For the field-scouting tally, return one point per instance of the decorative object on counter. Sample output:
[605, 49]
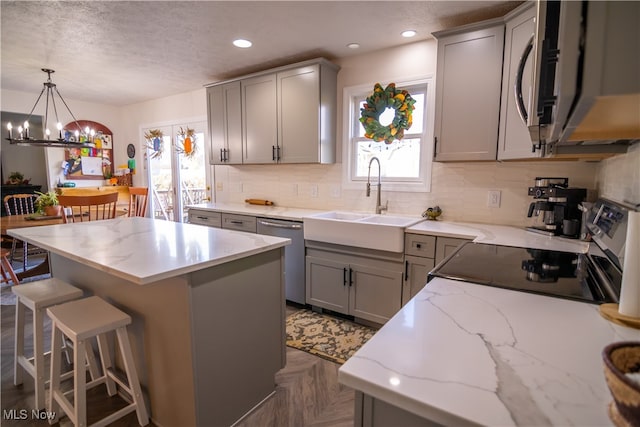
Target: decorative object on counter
[432, 213]
[23, 136]
[16, 178]
[259, 202]
[187, 142]
[326, 336]
[622, 373]
[47, 203]
[375, 115]
[155, 142]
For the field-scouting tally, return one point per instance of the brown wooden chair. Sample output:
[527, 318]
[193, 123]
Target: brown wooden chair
[138, 200]
[88, 208]
[8, 275]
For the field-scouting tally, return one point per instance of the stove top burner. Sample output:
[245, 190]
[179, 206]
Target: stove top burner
[553, 273]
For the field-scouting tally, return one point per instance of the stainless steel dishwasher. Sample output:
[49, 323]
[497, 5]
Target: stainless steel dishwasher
[294, 280]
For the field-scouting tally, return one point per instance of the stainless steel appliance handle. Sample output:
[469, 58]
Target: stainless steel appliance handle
[522, 109]
[279, 225]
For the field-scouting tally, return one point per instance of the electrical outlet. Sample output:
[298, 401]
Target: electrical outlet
[335, 191]
[493, 198]
[314, 190]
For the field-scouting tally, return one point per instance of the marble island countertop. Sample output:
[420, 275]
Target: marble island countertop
[144, 250]
[461, 353]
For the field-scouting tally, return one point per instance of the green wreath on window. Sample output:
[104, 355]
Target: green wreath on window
[381, 99]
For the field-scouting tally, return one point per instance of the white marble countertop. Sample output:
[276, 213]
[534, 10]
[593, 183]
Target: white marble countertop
[144, 250]
[461, 353]
[277, 212]
[499, 235]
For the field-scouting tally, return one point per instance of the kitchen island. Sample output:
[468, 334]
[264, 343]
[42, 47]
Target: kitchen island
[459, 353]
[207, 306]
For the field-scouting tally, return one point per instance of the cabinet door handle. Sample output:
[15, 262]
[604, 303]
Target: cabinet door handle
[222, 154]
[344, 276]
[350, 277]
[225, 152]
[273, 153]
[277, 152]
[406, 270]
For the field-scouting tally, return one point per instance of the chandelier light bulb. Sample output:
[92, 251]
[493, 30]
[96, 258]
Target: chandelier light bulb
[9, 127]
[26, 130]
[47, 132]
[59, 126]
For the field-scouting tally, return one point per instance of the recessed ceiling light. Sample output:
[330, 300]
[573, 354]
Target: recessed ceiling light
[242, 43]
[353, 45]
[408, 33]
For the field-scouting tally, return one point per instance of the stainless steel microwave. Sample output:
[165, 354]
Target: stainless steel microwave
[586, 83]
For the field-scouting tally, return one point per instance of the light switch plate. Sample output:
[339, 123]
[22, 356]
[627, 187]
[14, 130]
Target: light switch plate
[493, 198]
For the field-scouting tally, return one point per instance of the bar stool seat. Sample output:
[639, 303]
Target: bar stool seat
[38, 296]
[80, 321]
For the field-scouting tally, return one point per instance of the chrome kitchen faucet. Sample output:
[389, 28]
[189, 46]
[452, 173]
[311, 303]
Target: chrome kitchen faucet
[379, 207]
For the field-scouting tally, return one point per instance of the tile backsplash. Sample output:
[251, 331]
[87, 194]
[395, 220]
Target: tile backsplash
[460, 189]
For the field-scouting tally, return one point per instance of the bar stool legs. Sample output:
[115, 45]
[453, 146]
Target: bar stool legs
[81, 321]
[37, 297]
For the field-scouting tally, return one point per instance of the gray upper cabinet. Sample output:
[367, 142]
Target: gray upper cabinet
[514, 141]
[225, 125]
[283, 115]
[468, 81]
[259, 119]
[306, 133]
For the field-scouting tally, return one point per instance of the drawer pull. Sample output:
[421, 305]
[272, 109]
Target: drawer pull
[235, 221]
[419, 245]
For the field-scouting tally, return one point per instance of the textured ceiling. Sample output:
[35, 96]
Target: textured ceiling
[120, 53]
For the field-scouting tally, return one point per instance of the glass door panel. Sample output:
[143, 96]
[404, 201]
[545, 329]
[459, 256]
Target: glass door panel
[178, 172]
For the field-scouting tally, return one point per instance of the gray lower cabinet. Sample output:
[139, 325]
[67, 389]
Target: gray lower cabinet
[446, 245]
[372, 412]
[421, 254]
[204, 217]
[359, 282]
[223, 220]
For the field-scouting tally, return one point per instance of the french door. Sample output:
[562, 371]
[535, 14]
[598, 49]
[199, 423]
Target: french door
[179, 175]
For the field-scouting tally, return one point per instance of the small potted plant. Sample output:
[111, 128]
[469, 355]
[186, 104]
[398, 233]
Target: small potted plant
[47, 203]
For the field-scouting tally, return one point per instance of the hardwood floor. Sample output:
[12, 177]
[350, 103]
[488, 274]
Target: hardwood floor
[307, 391]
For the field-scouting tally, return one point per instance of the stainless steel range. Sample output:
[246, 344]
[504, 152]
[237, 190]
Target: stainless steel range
[593, 277]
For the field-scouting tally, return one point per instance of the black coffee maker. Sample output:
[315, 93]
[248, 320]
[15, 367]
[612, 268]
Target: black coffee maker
[556, 210]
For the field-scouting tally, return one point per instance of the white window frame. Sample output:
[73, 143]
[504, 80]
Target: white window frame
[422, 184]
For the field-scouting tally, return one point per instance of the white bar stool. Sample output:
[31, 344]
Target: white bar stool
[80, 321]
[37, 297]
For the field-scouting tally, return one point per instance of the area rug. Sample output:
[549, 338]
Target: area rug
[325, 336]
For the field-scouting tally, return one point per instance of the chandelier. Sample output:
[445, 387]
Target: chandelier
[78, 138]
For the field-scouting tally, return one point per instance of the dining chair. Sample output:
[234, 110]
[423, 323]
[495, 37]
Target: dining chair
[6, 270]
[21, 204]
[138, 200]
[88, 208]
